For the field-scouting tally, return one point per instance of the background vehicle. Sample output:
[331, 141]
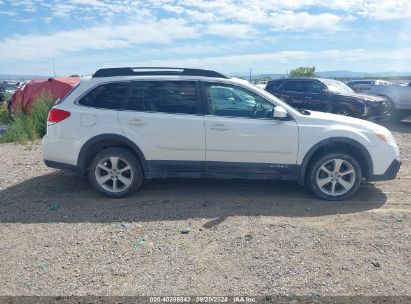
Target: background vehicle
[362, 86]
[25, 95]
[125, 125]
[328, 95]
[399, 98]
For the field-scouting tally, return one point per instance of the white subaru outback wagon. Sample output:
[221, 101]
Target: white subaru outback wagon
[125, 125]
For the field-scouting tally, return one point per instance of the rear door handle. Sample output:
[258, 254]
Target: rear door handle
[308, 97]
[218, 127]
[136, 122]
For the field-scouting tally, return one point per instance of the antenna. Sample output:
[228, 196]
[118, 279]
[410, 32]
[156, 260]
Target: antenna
[54, 70]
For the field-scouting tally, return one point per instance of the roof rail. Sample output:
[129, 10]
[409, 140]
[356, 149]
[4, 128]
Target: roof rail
[138, 71]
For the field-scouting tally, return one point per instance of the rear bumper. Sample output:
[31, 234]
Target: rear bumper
[66, 167]
[61, 150]
[389, 174]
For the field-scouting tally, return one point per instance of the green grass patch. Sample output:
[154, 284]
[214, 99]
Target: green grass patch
[25, 127]
[4, 115]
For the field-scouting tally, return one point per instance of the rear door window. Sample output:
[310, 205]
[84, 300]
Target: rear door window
[314, 87]
[135, 101]
[171, 97]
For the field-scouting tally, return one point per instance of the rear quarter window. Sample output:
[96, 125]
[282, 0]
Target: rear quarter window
[107, 96]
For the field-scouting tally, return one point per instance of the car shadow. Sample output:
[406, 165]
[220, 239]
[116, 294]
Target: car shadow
[400, 127]
[62, 198]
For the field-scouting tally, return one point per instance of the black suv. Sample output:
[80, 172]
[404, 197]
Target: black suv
[328, 95]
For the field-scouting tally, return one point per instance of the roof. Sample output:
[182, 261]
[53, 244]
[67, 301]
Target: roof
[156, 71]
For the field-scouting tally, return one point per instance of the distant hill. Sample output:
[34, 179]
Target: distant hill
[332, 74]
[351, 74]
[21, 77]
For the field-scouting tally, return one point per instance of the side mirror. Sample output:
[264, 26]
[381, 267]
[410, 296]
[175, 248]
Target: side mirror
[231, 99]
[279, 113]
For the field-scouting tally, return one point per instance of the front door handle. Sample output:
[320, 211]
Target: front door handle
[308, 97]
[218, 127]
[137, 122]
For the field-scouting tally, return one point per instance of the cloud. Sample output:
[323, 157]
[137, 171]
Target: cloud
[236, 30]
[173, 29]
[8, 13]
[303, 21]
[268, 61]
[95, 38]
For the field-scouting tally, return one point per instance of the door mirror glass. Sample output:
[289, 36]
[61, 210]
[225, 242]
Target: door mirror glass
[279, 113]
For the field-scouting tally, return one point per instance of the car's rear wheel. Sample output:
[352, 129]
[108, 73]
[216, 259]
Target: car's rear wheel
[334, 176]
[345, 111]
[115, 172]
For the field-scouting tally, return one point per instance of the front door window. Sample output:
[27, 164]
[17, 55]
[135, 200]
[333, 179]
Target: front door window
[233, 101]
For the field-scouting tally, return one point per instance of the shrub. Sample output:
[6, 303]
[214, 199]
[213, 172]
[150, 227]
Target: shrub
[4, 115]
[31, 125]
[303, 72]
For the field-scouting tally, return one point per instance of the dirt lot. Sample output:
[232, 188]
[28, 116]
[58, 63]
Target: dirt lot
[59, 237]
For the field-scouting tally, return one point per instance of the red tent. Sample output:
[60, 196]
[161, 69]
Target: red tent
[24, 97]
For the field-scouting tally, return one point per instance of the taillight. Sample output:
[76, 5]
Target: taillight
[57, 115]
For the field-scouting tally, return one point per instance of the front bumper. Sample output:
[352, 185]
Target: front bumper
[377, 111]
[389, 174]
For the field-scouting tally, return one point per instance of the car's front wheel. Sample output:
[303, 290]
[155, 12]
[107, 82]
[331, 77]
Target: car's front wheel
[335, 176]
[115, 172]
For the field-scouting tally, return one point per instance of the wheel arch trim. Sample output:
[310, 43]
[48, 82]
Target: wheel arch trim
[334, 140]
[115, 138]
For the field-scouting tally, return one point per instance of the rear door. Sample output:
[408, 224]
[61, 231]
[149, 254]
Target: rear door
[316, 96]
[164, 118]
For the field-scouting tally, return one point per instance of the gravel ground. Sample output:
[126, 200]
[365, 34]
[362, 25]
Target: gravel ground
[60, 237]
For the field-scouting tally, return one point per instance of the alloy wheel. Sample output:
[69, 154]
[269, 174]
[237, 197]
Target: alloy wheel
[114, 174]
[335, 177]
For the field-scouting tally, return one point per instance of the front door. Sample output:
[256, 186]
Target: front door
[316, 96]
[242, 136]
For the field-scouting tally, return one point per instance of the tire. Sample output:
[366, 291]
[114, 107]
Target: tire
[323, 181]
[345, 111]
[115, 172]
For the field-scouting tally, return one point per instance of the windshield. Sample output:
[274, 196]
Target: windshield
[336, 86]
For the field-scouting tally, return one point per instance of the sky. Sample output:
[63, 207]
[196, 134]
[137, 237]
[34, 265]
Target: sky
[268, 36]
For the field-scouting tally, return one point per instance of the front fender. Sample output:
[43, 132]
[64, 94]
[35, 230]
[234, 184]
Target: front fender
[346, 140]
